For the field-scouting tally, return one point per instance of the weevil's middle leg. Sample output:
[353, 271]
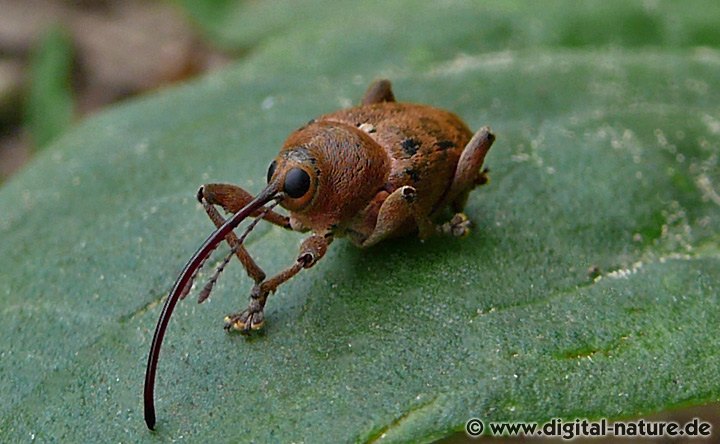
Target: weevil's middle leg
[399, 208]
[458, 226]
[396, 215]
[312, 250]
[232, 198]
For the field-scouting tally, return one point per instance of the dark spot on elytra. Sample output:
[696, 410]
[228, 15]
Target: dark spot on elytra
[445, 144]
[410, 146]
[414, 176]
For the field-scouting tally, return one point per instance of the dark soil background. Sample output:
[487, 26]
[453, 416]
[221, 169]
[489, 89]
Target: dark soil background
[114, 49]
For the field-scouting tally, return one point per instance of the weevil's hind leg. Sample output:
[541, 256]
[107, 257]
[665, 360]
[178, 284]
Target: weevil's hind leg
[468, 173]
[379, 91]
[232, 198]
[252, 318]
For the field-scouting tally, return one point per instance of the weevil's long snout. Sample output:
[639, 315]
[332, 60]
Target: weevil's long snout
[269, 193]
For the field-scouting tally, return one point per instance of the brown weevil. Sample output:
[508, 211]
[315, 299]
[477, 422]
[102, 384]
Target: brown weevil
[381, 169]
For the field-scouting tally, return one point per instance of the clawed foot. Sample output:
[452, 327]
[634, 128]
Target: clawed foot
[458, 226]
[252, 318]
[483, 177]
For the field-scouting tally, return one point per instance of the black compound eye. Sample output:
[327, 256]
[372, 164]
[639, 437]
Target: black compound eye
[271, 170]
[297, 183]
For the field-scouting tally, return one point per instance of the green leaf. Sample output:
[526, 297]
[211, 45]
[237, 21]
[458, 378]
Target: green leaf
[210, 16]
[50, 100]
[588, 287]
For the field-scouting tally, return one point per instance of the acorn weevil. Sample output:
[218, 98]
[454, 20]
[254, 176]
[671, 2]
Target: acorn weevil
[378, 170]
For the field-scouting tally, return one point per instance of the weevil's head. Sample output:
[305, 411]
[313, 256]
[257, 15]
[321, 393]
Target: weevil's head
[327, 172]
[296, 176]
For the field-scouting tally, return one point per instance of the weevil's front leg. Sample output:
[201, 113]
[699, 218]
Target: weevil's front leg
[232, 198]
[312, 250]
[379, 91]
